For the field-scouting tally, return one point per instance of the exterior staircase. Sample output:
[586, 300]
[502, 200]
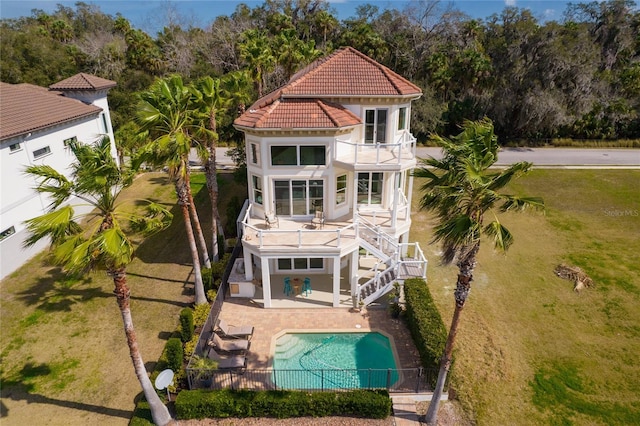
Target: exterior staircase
[383, 246]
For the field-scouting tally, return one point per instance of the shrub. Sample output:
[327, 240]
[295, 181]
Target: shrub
[200, 314]
[425, 323]
[190, 346]
[186, 324]
[174, 353]
[207, 279]
[198, 404]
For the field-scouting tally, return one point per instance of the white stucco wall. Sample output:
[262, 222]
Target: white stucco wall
[18, 200]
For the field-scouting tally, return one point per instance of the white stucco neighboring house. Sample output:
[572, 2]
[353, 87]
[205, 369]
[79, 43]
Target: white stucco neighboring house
[36, 125]
[329, 161]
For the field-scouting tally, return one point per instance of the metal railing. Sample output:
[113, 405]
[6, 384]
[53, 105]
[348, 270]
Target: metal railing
[359, 153]
[414, 380]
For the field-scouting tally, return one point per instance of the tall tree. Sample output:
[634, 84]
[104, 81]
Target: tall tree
[208, 97]
[99, 242]
[167, 116]
[256, 51]
[461, 190]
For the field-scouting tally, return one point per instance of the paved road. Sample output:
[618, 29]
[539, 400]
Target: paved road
[561, 157]
[540, 157]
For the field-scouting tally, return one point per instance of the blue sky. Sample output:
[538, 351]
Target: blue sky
[143, 13]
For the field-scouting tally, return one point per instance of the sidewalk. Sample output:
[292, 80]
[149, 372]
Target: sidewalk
[404, 408]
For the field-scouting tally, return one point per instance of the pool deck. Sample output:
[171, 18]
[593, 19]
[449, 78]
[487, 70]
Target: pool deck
[269, 322]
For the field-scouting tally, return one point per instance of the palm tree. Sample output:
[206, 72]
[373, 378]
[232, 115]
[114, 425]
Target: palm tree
[167, 114]
[208, 97]
[99, 242]
[461, 189]
[256, 51]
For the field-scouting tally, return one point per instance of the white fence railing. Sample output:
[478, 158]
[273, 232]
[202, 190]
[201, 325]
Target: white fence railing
[403, 149]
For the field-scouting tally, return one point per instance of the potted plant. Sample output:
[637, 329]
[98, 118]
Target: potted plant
[394, 302]
[203, 367]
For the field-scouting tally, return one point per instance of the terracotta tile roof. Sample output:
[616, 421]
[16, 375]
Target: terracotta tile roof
[25, 108]
[298, 113]
[83, 81]
[346, 73]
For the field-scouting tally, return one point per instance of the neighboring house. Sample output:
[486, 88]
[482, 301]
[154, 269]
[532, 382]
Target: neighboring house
[329, 161]
[36, 126]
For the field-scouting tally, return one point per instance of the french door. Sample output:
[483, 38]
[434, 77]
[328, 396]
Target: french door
[375, 125]
[296, 197]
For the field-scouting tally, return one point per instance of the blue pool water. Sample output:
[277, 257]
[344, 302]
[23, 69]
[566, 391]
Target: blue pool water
[334, 361]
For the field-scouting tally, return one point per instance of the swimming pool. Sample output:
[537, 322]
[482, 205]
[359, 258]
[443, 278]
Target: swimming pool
[334, 361]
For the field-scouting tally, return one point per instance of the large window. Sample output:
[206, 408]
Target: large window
[375, 125]
[254, 154]
[341, 189]
[298, 155]
[298, 197]
[370, 188]
[402, 118]
[300, 263]
[257, 189]
[41, 152]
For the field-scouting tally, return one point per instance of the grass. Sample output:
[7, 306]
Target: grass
[530, 350]
[64, 355]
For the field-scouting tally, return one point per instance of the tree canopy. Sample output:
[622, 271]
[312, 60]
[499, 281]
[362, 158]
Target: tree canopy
[578, 76]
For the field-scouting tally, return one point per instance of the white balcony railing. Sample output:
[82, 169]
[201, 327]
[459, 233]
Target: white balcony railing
[403, 149]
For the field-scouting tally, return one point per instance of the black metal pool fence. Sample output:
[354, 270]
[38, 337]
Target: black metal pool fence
[408, 380]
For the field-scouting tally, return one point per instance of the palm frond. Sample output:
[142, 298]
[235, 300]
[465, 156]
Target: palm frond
[55, 225]
[513, 202]
[502, 238]
[74, 254]
[502, 179]
[114, 247]
[52, 183]
[156, 219]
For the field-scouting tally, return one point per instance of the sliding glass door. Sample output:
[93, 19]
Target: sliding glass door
[298, 197]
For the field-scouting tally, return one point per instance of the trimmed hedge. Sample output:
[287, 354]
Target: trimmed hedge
[174, 353]
[186, 324]
[200, 404]
[425, 323]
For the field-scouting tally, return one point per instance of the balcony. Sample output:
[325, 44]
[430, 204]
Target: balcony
[400, 155]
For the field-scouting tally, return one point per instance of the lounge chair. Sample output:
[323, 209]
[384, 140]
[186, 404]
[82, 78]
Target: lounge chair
[228, 346]
[226, 330]
[318, 219]
[271, 220]
[233, 362]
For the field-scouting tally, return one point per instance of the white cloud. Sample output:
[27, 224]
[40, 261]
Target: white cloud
[509, 2]
[549, 13]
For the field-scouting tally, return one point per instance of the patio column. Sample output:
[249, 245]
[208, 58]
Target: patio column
[353, 272]
[336, 282]
[266, 282]
[396, 188]
[248, 265]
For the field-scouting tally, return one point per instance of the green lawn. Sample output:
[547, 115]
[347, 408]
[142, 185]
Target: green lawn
[530, 350]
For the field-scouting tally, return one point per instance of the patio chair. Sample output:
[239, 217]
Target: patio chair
[229, 346]
[287, 286]
[318, 219]
[271, 220]
[233, 362]
[306, 287]
[234, 332]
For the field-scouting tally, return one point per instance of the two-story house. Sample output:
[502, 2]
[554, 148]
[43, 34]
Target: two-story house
[329, 161]
[36, 126]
